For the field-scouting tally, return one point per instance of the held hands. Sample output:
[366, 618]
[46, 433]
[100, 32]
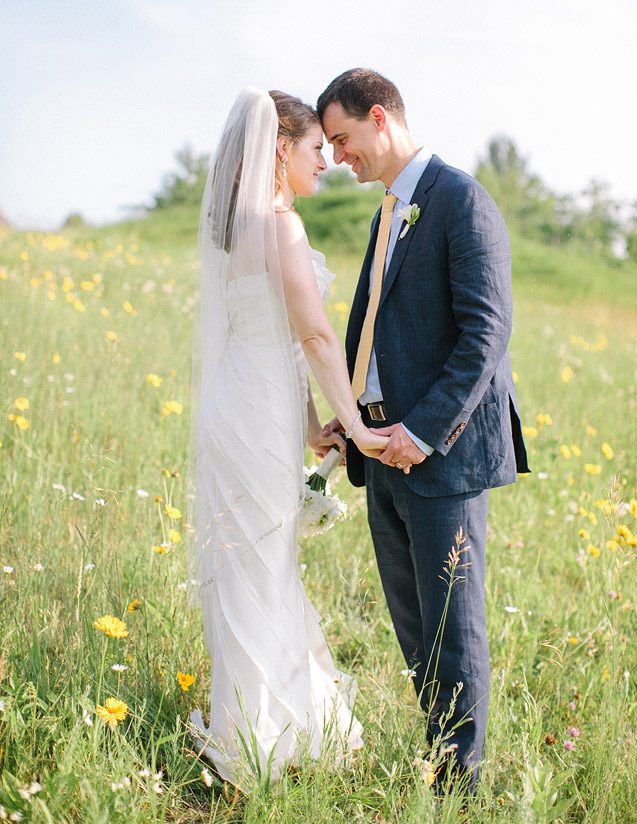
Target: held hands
[401, 451]
[368, 441]
[321, 440]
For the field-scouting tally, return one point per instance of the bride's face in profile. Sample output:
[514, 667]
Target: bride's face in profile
[305, 162]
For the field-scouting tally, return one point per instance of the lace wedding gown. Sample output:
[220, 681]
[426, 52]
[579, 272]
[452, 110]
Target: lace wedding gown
[275, 690]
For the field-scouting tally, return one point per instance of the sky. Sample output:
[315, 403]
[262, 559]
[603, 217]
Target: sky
[96, 96]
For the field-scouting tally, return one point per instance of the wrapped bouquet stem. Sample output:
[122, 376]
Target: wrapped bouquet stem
[321, 509]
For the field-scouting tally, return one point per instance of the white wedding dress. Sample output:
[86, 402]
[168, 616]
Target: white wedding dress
[276, 693]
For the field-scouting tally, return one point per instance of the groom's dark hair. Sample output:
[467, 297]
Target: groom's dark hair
[357, 90]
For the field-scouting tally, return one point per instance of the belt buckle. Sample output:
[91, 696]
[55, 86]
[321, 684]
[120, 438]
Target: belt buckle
[376, 411]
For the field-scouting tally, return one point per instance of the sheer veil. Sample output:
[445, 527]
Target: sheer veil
[246, 439]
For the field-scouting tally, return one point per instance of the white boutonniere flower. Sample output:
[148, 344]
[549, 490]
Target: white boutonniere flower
[410, 214]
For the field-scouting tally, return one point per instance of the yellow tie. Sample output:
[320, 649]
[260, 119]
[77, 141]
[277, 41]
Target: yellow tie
[367, 334]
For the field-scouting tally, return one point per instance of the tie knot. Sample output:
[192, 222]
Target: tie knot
[389, 202]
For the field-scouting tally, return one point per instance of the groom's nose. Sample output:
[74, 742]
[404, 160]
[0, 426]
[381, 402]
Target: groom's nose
[339, 154]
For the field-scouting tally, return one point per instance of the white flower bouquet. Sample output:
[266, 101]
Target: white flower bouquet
[321, 509]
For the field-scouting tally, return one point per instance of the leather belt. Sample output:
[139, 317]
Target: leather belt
[376, 411]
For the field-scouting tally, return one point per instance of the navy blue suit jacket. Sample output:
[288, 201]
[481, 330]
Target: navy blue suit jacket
[441, 336]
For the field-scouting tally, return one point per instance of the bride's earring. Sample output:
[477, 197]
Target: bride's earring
[284, 171]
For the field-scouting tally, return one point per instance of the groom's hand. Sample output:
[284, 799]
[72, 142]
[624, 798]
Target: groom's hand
[400, 449]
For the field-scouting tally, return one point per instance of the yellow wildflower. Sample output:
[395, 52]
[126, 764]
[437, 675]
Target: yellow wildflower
[104, 312]
[612, 545]
[573, 640]
[56, 357]
[590, 430]
[67, 284]
[529, 431]
[592, 469]
[154, 380]
[173, 513]
[632, 507]
[114, 711]
[570, 480]
[608, 451]
[342, 307]
[516, 377]
[87, 285]
[584, 534]
[605, 673]
[567, 374]
[160, 549]
[185, 680]
[172, 406]
[593, 550]
[134, 605]
[174, 536]
[111, 626]
[21, 422]
[165, 472]
[111, 336]
[565, 452]
[21, 403]
[592, 517]
[21, 356]
[576, 450]
[24, 256]
[544, 419]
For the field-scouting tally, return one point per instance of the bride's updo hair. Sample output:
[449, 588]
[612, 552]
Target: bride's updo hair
[295, 118]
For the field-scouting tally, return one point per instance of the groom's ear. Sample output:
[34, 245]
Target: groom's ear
[379, 116]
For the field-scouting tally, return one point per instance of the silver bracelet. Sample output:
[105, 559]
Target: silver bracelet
[352, 426]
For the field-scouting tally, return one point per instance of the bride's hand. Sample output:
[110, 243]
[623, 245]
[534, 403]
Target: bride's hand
[368, 442]
[320, 443]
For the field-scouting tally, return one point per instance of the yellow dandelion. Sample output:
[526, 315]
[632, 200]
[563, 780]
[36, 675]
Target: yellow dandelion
[612, 545]
[565, 452]
[134, 605]
[21, 403]
[172, 406]
[570, 480]
[590, 430]
[160, 549]
[165, 472]
[24, 256]
[67, 284]
[529, 431]
[111, 336]
[158, 499]
[185, 680]
[544, 419]
[113, 712]
[576, 450]
[609, 452]
[592, 469]
[174, 536]
[77, 304]
[21, 422]
[593, 550]
[111, 626]
[154, 380]
[87, 285]
[127, 306]
[632, 507]
[56, 357]
[173, 513]
[573, 640]
[21, 356]
[584, 534]
[567, 374]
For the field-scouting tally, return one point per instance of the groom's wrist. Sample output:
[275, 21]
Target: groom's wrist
[424, 447]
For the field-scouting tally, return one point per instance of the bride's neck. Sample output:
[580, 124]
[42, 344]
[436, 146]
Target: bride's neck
[284, 198]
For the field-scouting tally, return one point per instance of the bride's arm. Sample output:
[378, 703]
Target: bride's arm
[311, 324]
[319, 441]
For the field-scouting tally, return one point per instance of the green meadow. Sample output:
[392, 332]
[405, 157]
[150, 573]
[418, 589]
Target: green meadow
[94, 383]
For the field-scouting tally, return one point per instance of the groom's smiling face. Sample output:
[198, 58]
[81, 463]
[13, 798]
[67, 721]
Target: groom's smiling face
[359, 143]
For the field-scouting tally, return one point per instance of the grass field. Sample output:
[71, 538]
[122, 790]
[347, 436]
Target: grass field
[88, 442]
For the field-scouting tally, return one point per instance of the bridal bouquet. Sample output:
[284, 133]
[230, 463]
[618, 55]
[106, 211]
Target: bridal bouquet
[321, 509]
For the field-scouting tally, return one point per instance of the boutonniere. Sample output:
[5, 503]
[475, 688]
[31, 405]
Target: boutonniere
[410, 214]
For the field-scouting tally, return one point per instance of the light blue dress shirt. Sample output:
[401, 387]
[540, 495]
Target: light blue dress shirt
[403, 187]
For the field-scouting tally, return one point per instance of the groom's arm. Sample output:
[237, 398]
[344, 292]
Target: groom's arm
[479, 261]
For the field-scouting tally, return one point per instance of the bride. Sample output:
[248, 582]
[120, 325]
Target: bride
[275, 691]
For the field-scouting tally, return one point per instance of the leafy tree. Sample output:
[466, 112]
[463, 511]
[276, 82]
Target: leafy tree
[185, 186]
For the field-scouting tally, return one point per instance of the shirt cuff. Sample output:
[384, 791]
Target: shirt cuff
[428, 450]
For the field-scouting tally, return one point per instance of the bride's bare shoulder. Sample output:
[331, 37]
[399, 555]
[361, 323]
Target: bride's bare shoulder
[289, 226]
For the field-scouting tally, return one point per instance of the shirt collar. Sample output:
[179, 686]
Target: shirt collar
[405, 184]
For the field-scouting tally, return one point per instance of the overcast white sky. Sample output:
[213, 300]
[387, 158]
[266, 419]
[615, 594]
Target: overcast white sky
[96, 95]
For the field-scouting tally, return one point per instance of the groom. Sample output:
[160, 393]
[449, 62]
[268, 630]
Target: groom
[427, 353]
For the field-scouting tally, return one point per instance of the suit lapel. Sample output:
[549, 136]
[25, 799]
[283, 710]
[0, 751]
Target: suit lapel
[421, 198]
